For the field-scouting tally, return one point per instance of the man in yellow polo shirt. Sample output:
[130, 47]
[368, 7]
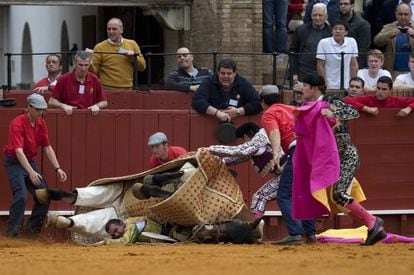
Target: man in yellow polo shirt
[116, 70]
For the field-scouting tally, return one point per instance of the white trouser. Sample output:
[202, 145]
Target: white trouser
[109, 198]
[93, 223]
[100, 196]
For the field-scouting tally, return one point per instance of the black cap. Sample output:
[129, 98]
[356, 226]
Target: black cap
[314, 80]
[248, 127]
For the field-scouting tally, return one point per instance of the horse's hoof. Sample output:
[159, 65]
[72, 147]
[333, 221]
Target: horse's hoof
[137, 191]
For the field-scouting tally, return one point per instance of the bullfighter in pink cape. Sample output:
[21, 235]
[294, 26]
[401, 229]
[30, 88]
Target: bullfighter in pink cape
[327, 108]
[278, 121]
[318, 159]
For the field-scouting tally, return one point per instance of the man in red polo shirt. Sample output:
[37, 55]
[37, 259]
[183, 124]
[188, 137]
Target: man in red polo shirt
[382, 99]
[26, 133]
[79, 88]
[54, 71]
[162, 152]
[278, 122]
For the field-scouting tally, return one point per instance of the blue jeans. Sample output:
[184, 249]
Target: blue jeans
[20, 183]
[276, 9]
[284, 200]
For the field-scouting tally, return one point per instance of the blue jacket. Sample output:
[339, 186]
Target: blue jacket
[242, 93]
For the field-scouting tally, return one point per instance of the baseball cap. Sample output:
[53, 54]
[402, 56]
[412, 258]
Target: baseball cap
[37, 101]
[157, 138]
[269, 89]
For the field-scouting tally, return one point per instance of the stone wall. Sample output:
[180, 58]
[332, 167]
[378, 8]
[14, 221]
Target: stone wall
[230, 26]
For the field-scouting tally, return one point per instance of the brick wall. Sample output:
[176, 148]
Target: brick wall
[230, 26]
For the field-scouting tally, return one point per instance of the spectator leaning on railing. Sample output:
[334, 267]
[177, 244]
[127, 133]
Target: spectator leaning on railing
[356, 86]
[382, 99]
[79, 88]
[226, 94]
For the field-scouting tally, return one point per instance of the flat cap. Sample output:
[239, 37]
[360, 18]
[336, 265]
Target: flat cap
[269, 89]
[157, 138]
[37, 101]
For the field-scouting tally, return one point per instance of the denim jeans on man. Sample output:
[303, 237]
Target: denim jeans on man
[20, 183]
[275, 41]
[284, 200]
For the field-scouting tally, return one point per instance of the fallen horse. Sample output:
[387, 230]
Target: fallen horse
[201, 192]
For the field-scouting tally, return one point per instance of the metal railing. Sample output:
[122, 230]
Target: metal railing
[149, 59]
[214, 58]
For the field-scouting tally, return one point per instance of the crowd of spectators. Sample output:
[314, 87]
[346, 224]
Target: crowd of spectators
[383, 32]
[338, 39]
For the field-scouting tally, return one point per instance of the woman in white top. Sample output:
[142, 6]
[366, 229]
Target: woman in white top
[375, 60]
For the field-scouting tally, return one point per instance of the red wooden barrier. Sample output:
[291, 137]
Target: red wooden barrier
[114, 144]
[153, 99]
[386, 147]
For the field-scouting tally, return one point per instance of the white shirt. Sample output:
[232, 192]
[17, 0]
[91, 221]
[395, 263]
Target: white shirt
[370, 81]
[327, 48]
[405, 79]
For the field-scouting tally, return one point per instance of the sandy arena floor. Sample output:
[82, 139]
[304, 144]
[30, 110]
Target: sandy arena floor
[35, 257]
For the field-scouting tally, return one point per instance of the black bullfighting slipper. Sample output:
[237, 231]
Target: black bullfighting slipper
[44, 196]
[377, 233]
